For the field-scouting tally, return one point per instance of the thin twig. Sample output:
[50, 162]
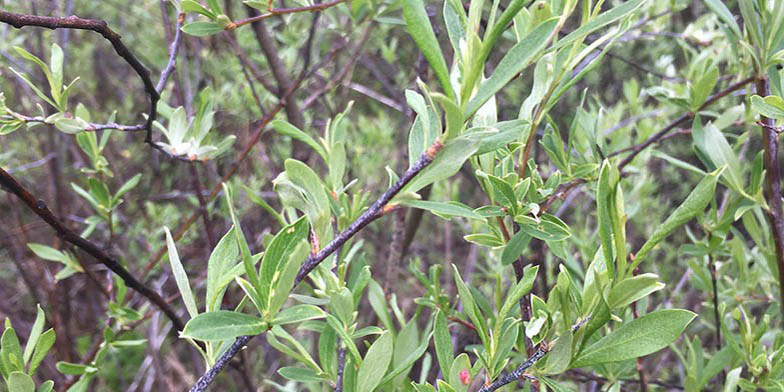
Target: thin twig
[282, 11]
[38, 206]
[376, 210]
[100, 27]
[517, 373]
[682, 119]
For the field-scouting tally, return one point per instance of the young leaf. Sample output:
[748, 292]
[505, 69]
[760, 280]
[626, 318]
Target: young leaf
[298, 313]
[418, 26]
[632, 289]
[639, 337]
[20, 382]
[442, 341]
[42, 347]
[35, 333]
[771, 106]
[180, 277]
[222, 260]
[286, 128]
[515, 60]
[202, 29]
[445, 209]
[445, 164]
[278, 252]
[375, 363]
[222, 325]
[697, 200]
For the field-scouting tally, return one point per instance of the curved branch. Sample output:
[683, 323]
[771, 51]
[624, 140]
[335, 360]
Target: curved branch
[100, 27]
[10, 184]
[282, 11]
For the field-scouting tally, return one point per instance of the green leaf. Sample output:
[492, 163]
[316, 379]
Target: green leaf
[442, 341]
[75, 369]
[127, 187]
[202, 29]
[33, 87]
[443, 209]
[702, 89]
[418, 26]
[469, 306]
[277, 254]
[20, 382]
[547, 228]
[639, 337]
[633, 289]
[194, 6]
[56, 81]
[697, 200]
[600, 21]
[310, 186]
[445, 164]
[180, 277]
[561, 354]
[300, 374]
[375, 363]
[515, 247]
[454, 117]
[286, 128]
[771, 106]
[515, 60]
[46, 386]
[721, 10]
[10, 351]
[222, 260]
[282, 287]
[522, 288]
[42, 347]
[713, 150]
[48, 253]
[223, 325]
[71, 125]
[35, 333]
[404, 366]
[605, 195]
[298, 313]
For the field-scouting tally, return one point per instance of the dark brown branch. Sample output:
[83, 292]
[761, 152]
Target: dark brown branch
[682, 119]
[38, 206]
[100, 27]
[773, 186]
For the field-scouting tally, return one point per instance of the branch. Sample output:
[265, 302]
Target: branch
[517, 373]
[282, 11]
[11, 185]
[100, 27]
[262, 124]
[204, 381]
[376, 210]
[682, 119]
[773, 185]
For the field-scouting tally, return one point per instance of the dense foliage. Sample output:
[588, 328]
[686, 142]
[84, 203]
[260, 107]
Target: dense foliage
[391, 195]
